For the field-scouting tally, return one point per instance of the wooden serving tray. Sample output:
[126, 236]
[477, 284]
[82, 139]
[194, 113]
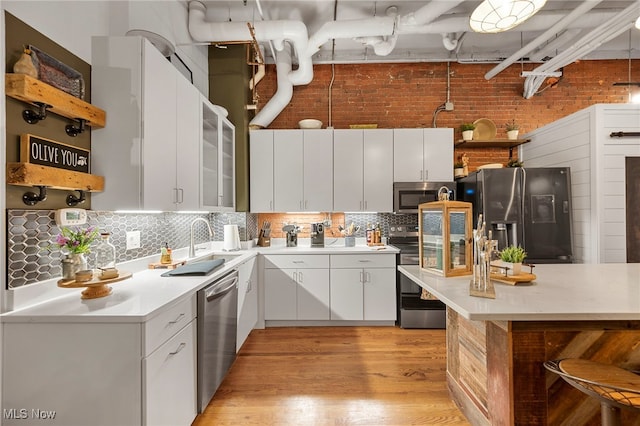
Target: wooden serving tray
[513, 279]
[95, 286]
[172, 265]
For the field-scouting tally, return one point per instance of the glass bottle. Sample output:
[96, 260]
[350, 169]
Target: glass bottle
[105, 252]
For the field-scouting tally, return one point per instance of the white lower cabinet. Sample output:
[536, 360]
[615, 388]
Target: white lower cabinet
[247, 300]
[169, 389]
[363, 287]
[296, 287]
[102, 373]
[358, 287]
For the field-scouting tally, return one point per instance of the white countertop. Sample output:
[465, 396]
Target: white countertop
[578, 292]
[140, 297]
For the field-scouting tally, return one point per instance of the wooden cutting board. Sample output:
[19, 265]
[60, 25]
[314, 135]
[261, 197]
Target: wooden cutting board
[513, 279]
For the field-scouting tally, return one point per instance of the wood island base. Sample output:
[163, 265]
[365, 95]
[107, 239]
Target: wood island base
[496, 376]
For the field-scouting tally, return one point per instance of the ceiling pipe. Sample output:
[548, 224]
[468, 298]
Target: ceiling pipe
[283, 94]
[428, 13]
[294, 32]
[557, 43]
[449, 41]
[383, 45]
[356, 28]
[603, 33]
[457, 22]
[554, 29]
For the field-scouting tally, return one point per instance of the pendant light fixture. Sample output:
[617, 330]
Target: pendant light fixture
[494, 16]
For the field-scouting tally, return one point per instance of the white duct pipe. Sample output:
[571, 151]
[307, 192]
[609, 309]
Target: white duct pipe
[449, 41]
[557, 27]
[557, 43]
[372, 27]
[603, 33]
[283, 94]
[294, 32]
[259, 75]
[539, 22]
[428, 13]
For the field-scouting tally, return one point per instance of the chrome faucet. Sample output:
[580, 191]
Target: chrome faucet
[192, 247]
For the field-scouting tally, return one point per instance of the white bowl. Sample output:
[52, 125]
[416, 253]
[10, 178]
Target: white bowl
[310, 123]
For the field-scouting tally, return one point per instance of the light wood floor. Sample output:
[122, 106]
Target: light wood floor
[336, 376]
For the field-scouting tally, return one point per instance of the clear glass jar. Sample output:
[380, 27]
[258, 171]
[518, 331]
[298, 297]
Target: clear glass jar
[105, 252]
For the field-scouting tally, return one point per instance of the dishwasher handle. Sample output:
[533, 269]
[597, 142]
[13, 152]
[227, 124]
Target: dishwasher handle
[222, 287]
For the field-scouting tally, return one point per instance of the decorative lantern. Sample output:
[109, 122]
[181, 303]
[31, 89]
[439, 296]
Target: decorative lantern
[445, 237]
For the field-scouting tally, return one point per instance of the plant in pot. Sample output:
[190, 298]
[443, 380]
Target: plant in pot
[514, 162]
[512, 257]
[513, 129]
[467, 131]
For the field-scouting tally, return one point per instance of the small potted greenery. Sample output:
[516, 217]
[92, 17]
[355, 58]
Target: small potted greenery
[467, 131]
[514, 162]
[513, 129]
[512, 257]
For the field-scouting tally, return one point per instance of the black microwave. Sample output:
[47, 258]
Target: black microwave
[407, 196]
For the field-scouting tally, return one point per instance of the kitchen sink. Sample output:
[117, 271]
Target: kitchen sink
[214, 256]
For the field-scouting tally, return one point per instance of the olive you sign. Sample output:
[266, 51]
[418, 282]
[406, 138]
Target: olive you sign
[37, 150]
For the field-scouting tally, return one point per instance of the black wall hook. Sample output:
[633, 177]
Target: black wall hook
[31, 198]
[74, 131]
[72, 200]
[32, 117]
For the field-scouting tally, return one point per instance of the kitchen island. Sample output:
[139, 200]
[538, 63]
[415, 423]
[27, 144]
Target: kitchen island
[496, 347]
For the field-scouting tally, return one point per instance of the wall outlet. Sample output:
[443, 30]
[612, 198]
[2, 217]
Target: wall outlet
[133, 240]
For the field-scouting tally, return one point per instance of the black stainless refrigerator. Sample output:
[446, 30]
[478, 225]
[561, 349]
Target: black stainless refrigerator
[530, 207]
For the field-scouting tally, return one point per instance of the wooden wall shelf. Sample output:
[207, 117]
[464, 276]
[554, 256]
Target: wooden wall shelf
[32, 91]
[27, 174]
[492, 143]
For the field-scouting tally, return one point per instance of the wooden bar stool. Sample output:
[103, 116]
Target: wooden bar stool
[613, 386]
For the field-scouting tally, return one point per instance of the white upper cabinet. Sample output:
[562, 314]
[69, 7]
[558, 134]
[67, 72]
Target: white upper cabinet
[217, 159]
[187, 146]
[151, 152]
[363, 170]
[287, 170]
[422, 155]
[348, 170]
[261, 170]
[291, 170]
[378, 170]
[318, 170]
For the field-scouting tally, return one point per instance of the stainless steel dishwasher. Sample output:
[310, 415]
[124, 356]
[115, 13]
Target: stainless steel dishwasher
[217, 324]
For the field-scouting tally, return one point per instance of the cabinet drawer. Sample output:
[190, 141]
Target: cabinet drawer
[167, 323]
[292, 261]
[169, 376]
[363, 261]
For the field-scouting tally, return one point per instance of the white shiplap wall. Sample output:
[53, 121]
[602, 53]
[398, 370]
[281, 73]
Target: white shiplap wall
[581, 141]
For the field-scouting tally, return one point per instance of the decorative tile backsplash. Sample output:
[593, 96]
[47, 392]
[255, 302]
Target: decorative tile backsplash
[30, 233]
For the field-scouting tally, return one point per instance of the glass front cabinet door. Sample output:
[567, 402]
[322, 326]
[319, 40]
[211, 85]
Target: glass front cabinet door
[445, 229]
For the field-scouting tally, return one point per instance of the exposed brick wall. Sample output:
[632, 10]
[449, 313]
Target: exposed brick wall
[406, 95]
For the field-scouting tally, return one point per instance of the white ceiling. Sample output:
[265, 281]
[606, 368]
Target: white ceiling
[428, 46]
